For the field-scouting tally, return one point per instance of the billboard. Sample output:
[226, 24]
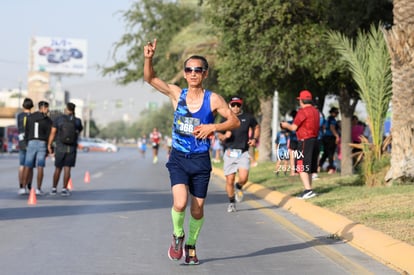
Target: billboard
[58, 55]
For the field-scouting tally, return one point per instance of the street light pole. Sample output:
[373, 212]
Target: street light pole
[275, 124]
[20, 96]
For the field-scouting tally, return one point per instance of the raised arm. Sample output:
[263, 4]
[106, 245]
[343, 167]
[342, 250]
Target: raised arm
[150, 77]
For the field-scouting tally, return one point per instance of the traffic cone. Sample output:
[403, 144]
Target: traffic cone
[32, 197]
[87, 178]
[70, 186]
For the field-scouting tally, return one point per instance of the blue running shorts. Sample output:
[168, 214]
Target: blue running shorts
[193, 170]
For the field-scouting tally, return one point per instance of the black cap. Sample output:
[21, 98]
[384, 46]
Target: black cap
[43, 104]
[334, 110]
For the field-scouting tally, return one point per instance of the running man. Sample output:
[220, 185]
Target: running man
[155, 138]
[189, 164]
[236, 156]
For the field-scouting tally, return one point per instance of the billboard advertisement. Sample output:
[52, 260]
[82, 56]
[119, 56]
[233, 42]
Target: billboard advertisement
[58, 55]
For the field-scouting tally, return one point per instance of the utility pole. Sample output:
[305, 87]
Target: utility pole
[275, 124]
[20, 97]
[88, 115]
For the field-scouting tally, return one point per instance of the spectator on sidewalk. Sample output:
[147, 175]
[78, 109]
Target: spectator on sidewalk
[36, 136]
[21, 126]
[64, 133]
[306, 125]
[330, 141]
[282, 152]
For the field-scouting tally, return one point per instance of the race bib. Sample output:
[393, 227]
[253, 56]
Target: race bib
[234, 153]
[186, 125]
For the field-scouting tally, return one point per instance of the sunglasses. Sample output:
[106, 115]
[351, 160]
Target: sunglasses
[197, 70]
[235, 104]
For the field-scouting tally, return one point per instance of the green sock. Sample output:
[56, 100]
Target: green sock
[195, 227]
[178, 222]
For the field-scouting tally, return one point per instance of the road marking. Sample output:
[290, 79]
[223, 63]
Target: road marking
[97, 175]
[324, 249]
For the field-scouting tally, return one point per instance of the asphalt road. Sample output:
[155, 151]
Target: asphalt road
[119, 223]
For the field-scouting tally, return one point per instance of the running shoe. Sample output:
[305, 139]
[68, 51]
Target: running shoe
[307, 194]
[175, 252]
[190, 255]
[238, 193]
[53, 191]
[22, 191]
[39, 192]
[231, 207]
[65, 192]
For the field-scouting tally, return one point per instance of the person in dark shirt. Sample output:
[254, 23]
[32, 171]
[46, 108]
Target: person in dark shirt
[65, 154]
[293, 145]
[36, 135]
[236, 156]
[330, 140]
[21, 125]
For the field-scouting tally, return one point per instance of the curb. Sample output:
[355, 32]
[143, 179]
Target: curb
[392, 252]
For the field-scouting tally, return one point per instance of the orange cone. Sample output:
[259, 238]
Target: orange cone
[87, 178]
[70, 186]
[32, 197]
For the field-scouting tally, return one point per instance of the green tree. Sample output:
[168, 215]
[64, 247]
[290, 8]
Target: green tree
[263, 45]
[146, 20]
[93, 129]
[115, 129]
[268, 45]
[369, 62]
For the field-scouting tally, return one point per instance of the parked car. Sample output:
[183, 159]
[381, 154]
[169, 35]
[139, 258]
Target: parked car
[96, 145]
[9, 141]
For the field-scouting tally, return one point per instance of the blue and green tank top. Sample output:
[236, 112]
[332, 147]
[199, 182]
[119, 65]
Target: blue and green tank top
[185, 122]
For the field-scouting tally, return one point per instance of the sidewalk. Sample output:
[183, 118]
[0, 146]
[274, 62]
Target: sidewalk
[392, 252]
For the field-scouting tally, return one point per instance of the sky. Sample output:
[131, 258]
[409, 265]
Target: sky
[99, 22]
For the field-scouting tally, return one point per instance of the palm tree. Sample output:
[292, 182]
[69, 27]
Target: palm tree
[400, 41]
[369, 62]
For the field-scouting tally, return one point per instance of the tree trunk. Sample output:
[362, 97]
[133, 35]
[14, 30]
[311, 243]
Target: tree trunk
[400, 41]
[265, 145]
[347, 106]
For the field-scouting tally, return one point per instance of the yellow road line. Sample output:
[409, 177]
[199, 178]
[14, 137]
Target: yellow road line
[322, 248]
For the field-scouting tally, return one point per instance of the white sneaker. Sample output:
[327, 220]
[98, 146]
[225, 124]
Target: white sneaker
[53, 191]
[22, 191]
[231, 207]
[65, 192]
[39, 192]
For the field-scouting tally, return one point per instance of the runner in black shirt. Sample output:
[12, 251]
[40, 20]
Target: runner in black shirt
[236, 151]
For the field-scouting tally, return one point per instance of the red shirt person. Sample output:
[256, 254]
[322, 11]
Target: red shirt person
[306, 125]
[155, 138]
